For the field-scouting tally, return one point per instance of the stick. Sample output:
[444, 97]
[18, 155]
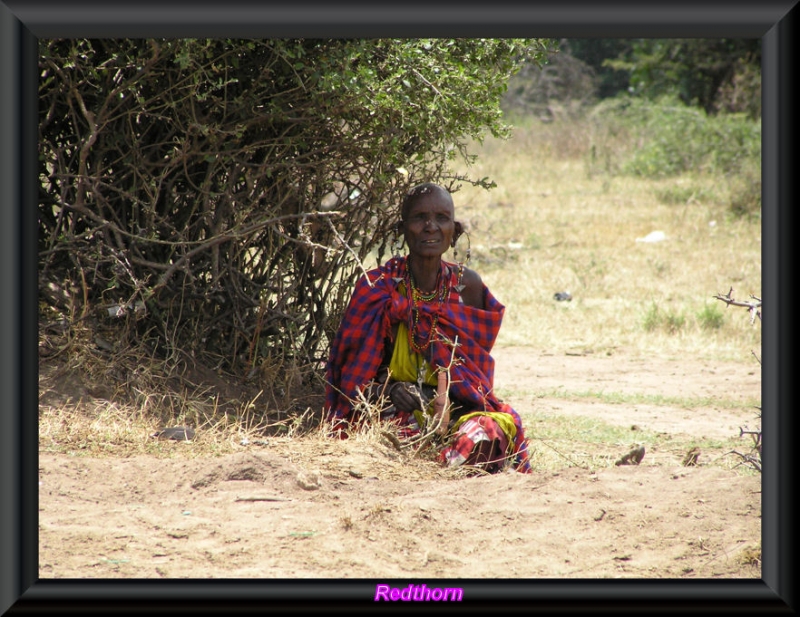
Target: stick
[441, 408]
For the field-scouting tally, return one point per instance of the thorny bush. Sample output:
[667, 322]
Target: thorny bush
[223, 195]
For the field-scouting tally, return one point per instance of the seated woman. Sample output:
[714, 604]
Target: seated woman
[415, 343]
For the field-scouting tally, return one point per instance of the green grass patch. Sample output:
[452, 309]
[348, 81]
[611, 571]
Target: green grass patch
[676, 194]
[711, 317]
[584, 429]
[633, 398]
[557, 440]
[668, 320]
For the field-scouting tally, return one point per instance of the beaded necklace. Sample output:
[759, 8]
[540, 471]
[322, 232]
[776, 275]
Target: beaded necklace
[417, 299]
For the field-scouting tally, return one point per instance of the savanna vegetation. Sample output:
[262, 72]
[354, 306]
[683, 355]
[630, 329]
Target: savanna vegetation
[205, 206]
[664, 133]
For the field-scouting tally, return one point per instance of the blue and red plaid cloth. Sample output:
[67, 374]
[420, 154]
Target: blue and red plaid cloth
[376, 304]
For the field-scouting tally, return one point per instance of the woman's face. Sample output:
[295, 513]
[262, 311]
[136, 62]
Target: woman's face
[430, 225]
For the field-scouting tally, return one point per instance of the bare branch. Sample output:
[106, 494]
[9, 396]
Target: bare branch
[227, 237]
[753, 458]
[753, 307]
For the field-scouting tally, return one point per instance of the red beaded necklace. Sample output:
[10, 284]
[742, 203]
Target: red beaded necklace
[417, 299]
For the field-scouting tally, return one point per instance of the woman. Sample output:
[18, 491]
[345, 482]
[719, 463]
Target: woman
[415, 342]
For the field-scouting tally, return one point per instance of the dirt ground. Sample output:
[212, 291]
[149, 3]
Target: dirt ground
[358, 509]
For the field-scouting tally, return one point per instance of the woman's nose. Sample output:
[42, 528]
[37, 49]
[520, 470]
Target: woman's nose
[430, 223]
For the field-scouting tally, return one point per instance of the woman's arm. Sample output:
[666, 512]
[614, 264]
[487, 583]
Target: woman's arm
[473, 292]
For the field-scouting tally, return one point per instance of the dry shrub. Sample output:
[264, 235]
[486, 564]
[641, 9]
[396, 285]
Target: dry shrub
[751, 556]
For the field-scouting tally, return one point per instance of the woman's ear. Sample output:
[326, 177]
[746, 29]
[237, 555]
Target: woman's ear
[459, 229]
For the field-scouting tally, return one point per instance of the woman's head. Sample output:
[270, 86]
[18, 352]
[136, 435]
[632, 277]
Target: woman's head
[422, 191]
[428, 220]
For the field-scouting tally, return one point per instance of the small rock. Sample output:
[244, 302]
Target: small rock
[653, 236]
[309, 481]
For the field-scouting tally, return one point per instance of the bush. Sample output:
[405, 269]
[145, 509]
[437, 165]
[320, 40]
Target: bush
[671, 138]
[223, 193]
[745, 201]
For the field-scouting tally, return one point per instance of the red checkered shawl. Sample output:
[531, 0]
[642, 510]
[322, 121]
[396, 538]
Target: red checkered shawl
[358, 349]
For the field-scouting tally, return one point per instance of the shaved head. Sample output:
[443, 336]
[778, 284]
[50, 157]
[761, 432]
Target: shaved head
[418, 192]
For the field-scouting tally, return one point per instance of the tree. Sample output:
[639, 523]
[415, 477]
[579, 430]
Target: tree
[594, 53]
[715, 74]
[224, 194]
[719, 75]
[564, 79]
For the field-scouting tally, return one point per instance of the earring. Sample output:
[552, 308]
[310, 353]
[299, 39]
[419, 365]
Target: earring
[397, 242]
[459, 287]
[468, 253]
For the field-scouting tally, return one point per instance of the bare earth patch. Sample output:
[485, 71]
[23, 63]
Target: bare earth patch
[310, 508]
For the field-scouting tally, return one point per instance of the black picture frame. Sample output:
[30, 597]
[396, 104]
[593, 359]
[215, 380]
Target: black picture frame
[22, 22]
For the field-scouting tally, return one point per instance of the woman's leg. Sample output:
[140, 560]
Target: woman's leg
[479, 442]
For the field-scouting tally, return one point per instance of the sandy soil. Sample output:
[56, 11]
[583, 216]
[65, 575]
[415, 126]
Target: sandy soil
[318, 509]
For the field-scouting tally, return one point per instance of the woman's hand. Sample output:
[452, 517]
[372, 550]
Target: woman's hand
[406, 396]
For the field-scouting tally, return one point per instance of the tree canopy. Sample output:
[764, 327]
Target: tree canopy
[721, 74]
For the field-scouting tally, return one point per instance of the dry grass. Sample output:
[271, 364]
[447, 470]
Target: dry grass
[557, 224]
[111, 398]
[563, 219]
[751, 555]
